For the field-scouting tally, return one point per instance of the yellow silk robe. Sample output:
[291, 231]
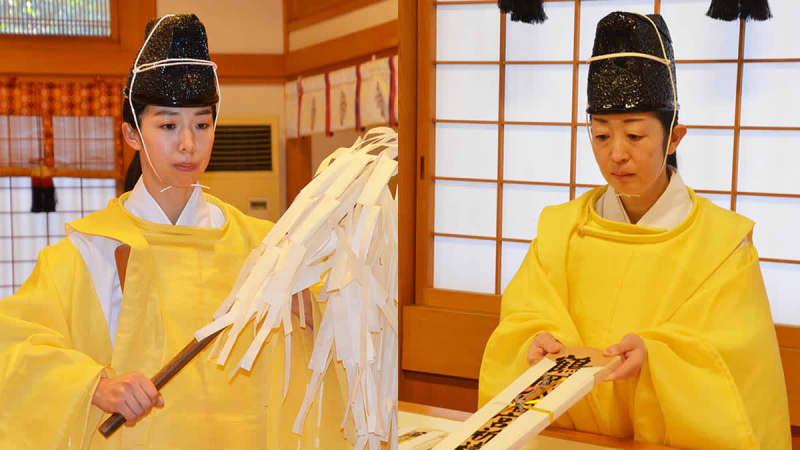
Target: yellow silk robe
[713, 376]
[54, 345]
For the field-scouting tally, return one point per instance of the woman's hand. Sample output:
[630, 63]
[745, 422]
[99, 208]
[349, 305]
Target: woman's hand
[543, 344]
[633, 352]
[132, 395]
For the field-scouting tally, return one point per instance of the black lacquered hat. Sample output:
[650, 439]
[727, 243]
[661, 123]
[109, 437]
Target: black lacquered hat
[169, 70]
[618, 83]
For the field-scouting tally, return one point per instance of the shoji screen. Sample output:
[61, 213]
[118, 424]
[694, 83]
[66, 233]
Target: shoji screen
[508, 135]
[23, 233]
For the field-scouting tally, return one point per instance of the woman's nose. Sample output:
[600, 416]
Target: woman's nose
[618, 151]
[187, 143]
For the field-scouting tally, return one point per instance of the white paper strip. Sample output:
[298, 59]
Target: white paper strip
[343, 223]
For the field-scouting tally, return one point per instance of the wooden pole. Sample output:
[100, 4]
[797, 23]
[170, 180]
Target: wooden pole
[162, 377]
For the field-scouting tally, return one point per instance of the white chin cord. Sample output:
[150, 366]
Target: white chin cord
[666, 62]
[167, 63]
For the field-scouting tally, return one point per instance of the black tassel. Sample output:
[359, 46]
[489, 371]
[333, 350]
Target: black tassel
[755, 9]
[43, 195]
[528, 11]
[724, 10]
[505, 5]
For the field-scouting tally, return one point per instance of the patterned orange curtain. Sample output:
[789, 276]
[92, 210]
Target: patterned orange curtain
[67, 128]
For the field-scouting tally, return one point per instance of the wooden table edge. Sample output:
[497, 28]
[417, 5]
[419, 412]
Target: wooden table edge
[558, 433]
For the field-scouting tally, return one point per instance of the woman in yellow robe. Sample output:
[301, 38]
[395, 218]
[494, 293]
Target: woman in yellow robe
[75, 345]
[646, 269]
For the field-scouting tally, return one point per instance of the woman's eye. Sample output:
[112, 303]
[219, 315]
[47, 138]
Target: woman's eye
[203, 126]
[634, 137]
[601, 137]
[168, 126]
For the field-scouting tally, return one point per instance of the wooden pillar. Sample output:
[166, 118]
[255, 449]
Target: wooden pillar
[298, 166]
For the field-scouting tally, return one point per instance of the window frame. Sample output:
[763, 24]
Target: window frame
[113, 6]
[458, 321]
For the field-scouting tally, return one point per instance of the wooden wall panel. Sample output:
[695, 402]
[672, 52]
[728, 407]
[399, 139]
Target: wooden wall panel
[458, 338]
[298, 166]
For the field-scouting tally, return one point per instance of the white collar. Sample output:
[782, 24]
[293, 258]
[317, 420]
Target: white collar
[197, 212]
[671, 208]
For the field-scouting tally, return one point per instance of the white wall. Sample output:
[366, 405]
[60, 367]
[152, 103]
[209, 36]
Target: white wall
[235, 26]
[356, 20]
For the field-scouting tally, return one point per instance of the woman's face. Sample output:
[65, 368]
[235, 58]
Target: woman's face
[179, 142]
[629, 149]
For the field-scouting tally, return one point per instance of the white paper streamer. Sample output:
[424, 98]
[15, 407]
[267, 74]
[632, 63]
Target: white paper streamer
[343, 223]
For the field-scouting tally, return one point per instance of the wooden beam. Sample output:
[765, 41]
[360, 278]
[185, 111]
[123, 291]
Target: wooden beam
[250, 67]
[371, 41]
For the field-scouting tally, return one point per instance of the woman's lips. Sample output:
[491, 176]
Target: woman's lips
[185, 167]
[623, 176]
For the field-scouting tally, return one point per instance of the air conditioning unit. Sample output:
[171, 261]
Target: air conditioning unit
[245, 165]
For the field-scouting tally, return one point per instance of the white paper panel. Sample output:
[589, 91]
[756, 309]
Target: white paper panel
[68, 199]
[721, 200]
[5, 249]
[20, 182]
[770, 95]
[464, 264]
[593, 11]
[586, 170]
[777, 37]
[4, 181]
[538, 93]
[467, 92]
[769, 161]
[97, 198]
[705, 159]
[776, 218]
[581, 190]
[22, 271]
[27, 248]
[5, 273]
[466, 150]
[66, 182]
[57, 221]
[522, 204]
[467, 33]
[466, 208]
[5, 292]
[534, 153]
[706, 93]
[29, 224]
[21, 198]
[783, 290]
[5, 198]
[513, 254]
[549, 41]
[697, 36]
[5, 229]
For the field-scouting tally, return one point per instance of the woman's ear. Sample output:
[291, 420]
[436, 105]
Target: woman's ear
[131, 136]
[678, 132]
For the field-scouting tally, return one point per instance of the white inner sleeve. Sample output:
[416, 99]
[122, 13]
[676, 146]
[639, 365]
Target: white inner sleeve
[98, 251]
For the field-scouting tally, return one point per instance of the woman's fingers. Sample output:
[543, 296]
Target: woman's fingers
[543, 344]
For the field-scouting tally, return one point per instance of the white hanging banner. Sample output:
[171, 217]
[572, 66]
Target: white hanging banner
[291, 101]
[374, 92]
[313, 106]
[342, 95]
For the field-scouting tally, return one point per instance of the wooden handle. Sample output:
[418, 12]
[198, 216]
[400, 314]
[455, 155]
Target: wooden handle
[162, 377]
